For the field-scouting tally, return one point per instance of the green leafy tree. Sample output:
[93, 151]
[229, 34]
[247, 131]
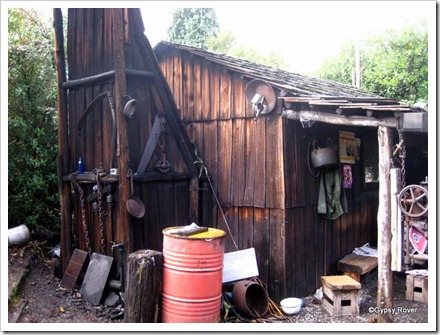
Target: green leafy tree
[223, 42]
[193, 26]
[32, 124]
[199, 27]
[272, 59]
[393, 64]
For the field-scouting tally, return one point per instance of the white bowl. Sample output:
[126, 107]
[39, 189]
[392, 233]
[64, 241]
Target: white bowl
[291, 306]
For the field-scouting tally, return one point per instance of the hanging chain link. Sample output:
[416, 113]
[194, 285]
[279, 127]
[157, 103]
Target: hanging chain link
[402, 152]
[83, 212]
[100, 214]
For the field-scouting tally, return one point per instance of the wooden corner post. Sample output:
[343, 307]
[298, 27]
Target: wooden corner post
[63, 142]
[385, 275]
[122, 234]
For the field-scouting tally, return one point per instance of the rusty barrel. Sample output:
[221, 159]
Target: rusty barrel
[192, 276]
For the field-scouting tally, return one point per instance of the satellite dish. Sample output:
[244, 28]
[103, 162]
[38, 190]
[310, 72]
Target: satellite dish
[261, 96]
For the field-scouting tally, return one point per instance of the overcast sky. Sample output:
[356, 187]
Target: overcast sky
[304, 32]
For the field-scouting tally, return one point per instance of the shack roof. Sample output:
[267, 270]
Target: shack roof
[303, 92]
[293, 83]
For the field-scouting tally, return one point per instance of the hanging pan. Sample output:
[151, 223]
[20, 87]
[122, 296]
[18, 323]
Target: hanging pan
[134, 204]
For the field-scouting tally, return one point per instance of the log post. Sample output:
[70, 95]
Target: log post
[144, 285]
[63, 142]
[385, 275]
[122, 233]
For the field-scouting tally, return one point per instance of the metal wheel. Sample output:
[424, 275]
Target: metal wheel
[413, 200]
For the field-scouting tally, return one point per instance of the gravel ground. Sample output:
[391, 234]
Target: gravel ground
[42, 300]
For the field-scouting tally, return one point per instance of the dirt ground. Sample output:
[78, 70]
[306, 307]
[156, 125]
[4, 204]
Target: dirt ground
[40, 299]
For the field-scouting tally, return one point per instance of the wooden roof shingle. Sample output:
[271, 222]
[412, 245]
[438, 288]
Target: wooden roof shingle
[295, 84]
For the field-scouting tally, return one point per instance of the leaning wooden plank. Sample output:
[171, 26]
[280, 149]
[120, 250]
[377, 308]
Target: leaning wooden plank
[238, 265]
[358, 264]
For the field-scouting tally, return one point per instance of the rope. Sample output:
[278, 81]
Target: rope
[203, 168]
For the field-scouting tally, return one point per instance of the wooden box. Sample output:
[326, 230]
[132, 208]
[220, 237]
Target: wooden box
[417, 288]
[340, 295]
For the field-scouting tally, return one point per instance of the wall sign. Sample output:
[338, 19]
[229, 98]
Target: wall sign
[347, 147]
[348, 176]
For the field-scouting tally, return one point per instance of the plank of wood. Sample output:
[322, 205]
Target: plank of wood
[215, 91]
[238, 265]
[224, 153]
[205, 98]
[245, 227]
[225, 95]
[198, 91]
[358, 264]
[262, 242]
[259, 146]
[210, 148]
[231, 216]
[187, 111]
[340, 283]
[274, 163]
[277, 255]
[238, 163]
[251, 149]
[238, 97]
[177, 80]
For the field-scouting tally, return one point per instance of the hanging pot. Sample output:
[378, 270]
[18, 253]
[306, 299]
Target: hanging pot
[134, 204]
[323, 157]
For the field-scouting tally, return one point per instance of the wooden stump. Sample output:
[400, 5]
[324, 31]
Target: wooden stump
[143, 286]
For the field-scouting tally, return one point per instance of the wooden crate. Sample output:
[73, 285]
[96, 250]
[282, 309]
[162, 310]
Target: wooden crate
[417, 288]
[340, 295]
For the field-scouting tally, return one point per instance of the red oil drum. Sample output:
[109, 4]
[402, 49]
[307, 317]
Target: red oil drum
[192, 276]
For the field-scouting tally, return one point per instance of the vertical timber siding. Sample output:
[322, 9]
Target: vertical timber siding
[260, 176]
[167, 197]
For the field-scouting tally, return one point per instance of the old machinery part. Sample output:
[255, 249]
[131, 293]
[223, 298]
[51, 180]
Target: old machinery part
[129, 107]
[162, 164]
[261, 96]
[413, 201]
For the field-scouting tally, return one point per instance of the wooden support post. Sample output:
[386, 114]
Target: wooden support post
[144, 280]
[385, 275]
[122, 233]
[63, 144]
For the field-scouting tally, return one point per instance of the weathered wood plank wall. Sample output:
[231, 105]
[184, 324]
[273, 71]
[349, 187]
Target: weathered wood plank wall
[166, 197]
[260, 176]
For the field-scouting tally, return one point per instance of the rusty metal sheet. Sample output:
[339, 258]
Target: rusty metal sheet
[77, 263]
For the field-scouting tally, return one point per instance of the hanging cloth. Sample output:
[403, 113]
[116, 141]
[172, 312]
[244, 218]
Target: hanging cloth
[332, 202]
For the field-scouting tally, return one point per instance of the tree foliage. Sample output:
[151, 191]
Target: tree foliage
[193, 26]
[32, 124]
[199, 27]
[393, 64]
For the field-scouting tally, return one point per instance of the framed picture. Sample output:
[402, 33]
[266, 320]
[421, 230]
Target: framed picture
[347, 147]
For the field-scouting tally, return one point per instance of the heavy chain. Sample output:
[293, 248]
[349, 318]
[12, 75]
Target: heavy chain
[402, 152]
[83, 212]
[100, 214]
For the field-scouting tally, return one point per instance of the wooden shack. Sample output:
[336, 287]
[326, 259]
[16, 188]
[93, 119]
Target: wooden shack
[260, 167]
[109, 67]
